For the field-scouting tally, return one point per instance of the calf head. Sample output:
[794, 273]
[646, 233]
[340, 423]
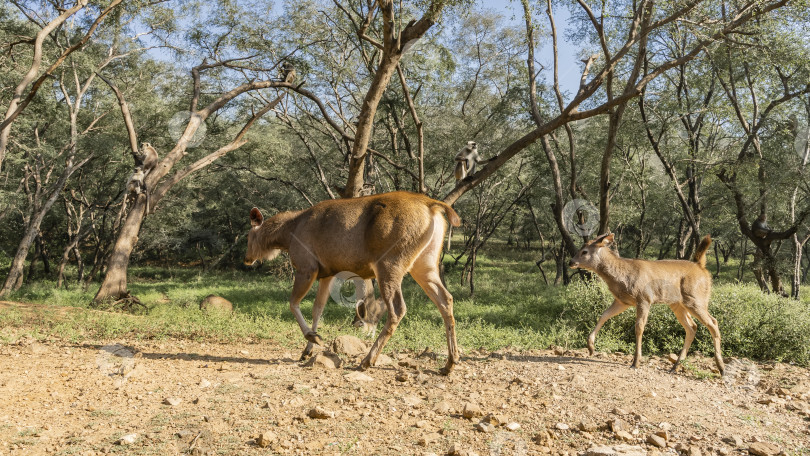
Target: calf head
[368, 313]
[592, 253]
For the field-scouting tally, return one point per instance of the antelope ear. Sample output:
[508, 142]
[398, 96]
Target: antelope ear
[256, 217]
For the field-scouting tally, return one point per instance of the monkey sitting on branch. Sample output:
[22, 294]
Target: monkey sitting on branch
[145, 162]
[760, 227]
[287, 72]
[467, 160]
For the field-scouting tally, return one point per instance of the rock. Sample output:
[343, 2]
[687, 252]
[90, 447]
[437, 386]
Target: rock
[471, 410]
[587, 426]
[443, 408]
[214, 303]
[561, 427]
[265, 439]
[402, 377]
[663, 434]
[422, 424]
[559, 351]
[483, 426]
[694, 451]
[199, 401]
[763, 449]
[204, 383]
[320, 413]
[383, 360]
[513, 426]
[734, 440]
[495, 419]
[544, 438]
[657, 441]
[349, 345]
[454, 450]
[325, 360]
[673, 358]
[665, 426]
[618, 450]
[358, 377]
[128, 439]
[624, 435]
[619, 411]
[411, 400]
[427, 439]
[617, 424]
[173, 401]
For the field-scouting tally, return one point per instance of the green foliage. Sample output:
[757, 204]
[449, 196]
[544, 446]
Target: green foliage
[752, 324]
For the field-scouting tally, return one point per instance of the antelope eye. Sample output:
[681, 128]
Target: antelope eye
[584, 252]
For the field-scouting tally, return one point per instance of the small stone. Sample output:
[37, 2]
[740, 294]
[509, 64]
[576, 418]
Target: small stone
[402, 377]
[663, 434]
[657, 441]
[199, 401]
[673, 358]
[324, 360]
[495, 419]
[320, 413]
[173, 401]
[624, 436]
[694, 451]
[471, 410]
[587, 426]
[513, 426]
[454, 450]
[349, 345]
[734, 440]
[665, 426]
[544, 438]
[358, 377]
[483, 426]
[204, 383]
[265, 439]
[618, 450]
[763, 449]
[384, 360]
[443, 408]
[411, 400]
[427, 439]
[128, 439]
[620, 411]
[559, 351]
[561, 427]
[617, 424]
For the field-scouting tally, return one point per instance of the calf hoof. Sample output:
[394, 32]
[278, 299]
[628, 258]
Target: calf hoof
[314, 338]
[591, 350]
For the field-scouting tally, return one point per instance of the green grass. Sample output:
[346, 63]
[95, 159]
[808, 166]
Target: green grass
[512, 307]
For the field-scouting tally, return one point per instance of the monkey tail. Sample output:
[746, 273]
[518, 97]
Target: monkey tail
[451, 214]
[700, 253]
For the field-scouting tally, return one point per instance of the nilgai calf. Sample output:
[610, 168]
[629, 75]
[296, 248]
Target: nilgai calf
[684, 285]
[384, 236]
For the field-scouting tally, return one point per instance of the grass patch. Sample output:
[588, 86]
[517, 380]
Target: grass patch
[512, 307]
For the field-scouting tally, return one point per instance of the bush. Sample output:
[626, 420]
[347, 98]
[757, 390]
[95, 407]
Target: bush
[752, 324]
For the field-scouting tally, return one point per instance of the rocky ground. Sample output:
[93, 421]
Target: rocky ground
[181, 397]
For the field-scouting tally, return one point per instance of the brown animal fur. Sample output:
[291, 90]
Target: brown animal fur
[684, 285]
[384, 236]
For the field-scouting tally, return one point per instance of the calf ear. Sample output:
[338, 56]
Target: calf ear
[604, 240]
[256, 217]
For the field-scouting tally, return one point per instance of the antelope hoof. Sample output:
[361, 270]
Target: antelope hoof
[447, 370]
[675, 366]
[314, 338]
[365, 364]
[306, 353]
[591, 350]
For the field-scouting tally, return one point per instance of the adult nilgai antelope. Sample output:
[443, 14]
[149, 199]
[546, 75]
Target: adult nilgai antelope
[384, 236]
[684, 285]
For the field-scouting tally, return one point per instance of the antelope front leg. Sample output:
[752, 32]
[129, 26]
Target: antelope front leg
[615, 309]
[303, 282]
[642, 312]
[317, 311]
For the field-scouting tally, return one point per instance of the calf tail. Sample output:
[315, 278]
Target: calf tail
[451, 214]
[700, 253]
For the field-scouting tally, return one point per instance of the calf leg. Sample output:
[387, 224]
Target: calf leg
[317, 310]
[691, 329]
[432, 284]
[701, 312]
[391, 293]
[303, 282]
[642, 312]
[615, 309]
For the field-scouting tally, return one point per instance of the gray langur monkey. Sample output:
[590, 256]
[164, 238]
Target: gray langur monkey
[760, 226]
[148, 158]
[287, 72]
[135, 183]
[467, 160]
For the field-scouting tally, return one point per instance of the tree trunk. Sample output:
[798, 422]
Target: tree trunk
[114, 285]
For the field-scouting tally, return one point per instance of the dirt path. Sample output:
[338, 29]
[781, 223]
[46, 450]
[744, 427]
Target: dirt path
[63, 398]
